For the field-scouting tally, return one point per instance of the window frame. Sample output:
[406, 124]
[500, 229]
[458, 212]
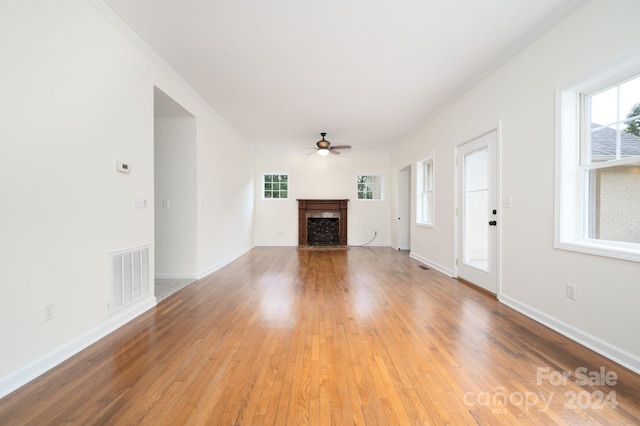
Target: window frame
[422, 194]
[572, 152]
[380, 177]
[264, 183]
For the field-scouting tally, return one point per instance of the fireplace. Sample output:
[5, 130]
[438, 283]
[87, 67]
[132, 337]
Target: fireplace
[322, 222]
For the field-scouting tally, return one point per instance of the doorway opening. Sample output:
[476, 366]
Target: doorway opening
[404, 209]
[175, 196]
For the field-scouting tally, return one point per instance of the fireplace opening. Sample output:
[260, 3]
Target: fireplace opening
[323, 231]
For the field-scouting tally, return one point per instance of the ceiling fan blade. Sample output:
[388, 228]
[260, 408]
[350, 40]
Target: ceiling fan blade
[341, 147]
[313, 152]
[333, 151]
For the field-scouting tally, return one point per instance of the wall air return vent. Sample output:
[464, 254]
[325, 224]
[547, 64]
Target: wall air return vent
[128, 277]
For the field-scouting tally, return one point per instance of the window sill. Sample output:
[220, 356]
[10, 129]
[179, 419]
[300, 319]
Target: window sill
[425, 225]
[604, 249]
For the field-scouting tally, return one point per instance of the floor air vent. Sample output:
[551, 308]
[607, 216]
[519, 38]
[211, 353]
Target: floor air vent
[128, 277]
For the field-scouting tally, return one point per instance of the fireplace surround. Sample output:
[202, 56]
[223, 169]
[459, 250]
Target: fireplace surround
[322, 222]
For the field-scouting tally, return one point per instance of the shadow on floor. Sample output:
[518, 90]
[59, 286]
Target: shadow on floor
[165, 288]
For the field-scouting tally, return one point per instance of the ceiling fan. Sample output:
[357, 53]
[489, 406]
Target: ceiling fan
[324, 146]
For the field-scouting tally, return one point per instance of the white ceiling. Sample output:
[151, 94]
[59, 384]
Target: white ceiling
[367, 72]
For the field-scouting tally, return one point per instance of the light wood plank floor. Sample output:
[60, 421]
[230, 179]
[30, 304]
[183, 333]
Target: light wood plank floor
[359, 336]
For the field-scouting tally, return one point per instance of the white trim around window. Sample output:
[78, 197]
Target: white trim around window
[275, 186]
[574, 196]
[369, 187]
[425, 191]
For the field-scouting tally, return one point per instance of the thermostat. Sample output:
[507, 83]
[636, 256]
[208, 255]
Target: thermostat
[123, 167]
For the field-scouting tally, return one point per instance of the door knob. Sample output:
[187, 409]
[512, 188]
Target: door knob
[493, 223]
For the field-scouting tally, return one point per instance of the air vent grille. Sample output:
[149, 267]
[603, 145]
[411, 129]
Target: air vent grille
[128, 278]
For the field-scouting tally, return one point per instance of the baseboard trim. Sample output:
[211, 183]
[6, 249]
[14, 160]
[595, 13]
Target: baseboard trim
[605, 349]
[46, 363]
[267, 244]
[369, 244]
[431, 264]
[359, 244]
[225, 262]
[176, 276]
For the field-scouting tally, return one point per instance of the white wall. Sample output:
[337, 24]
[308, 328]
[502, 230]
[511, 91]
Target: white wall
[224, 177]
[225, 196]
[76, 97]
[316, 177]
[520, 95]
[175, 195]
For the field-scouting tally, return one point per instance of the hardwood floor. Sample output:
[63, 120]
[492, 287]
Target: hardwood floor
[358, 336]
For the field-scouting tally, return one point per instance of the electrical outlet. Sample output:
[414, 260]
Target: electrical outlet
[572, 291]
[123, 167]
[48, 311]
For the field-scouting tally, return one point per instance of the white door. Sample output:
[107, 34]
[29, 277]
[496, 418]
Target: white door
[404, 208]
[477, 212]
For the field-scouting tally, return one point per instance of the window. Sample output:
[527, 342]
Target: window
[425, 196]
[598, 155]
[369, 187]
[276, 186]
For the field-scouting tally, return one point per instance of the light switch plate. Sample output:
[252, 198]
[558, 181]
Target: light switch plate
[139, 203]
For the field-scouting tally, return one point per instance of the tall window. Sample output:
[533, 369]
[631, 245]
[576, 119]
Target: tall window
[275, 186]
[425, 197]
[599, 159]
[369, 187]
[611, 163]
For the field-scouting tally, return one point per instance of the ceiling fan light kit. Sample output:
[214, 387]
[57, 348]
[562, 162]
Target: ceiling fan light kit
[324, 146]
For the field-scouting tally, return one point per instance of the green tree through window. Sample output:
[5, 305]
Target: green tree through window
[633, 120]
[369, 187]
[276, 186]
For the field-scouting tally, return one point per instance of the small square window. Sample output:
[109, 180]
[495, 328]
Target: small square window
[275, 186]
[369, 187]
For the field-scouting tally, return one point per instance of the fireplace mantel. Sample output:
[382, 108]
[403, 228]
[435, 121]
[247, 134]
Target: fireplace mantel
[322, 208]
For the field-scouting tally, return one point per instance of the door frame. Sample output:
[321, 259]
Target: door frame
[497, 128]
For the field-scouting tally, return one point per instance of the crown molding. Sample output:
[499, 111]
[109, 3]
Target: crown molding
[123, 28]
[554, 18]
